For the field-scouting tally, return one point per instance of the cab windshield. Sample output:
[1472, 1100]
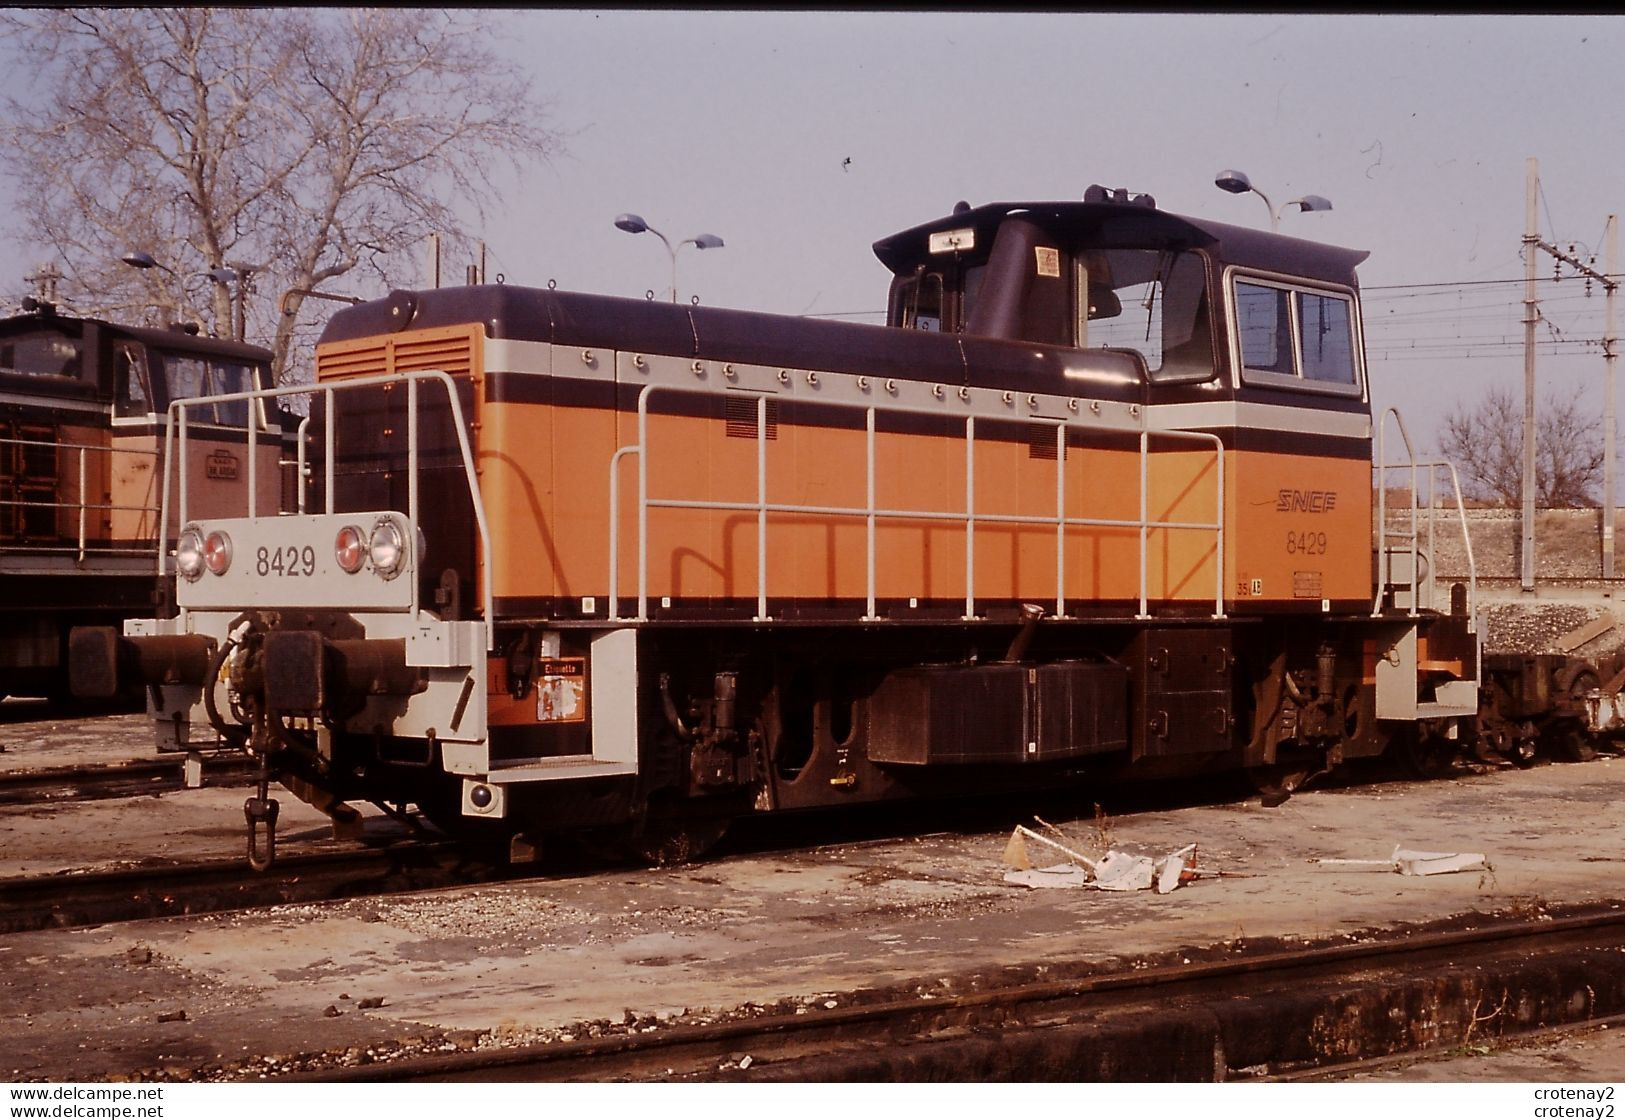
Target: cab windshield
[189, 376]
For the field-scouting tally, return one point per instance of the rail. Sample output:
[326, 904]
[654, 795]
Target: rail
[970, 517]
[80, 543]
[175, 436]
[1422, 471]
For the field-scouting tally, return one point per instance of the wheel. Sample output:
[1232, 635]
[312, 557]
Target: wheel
[1568, 742]
[1566, 738]
[1510, 743]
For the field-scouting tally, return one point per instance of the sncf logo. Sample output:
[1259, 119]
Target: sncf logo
[1305, 501]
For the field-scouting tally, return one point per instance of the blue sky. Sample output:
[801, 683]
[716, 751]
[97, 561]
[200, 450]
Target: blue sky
[801, 138]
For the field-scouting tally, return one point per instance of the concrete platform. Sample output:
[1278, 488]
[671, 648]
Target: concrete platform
[549, 957]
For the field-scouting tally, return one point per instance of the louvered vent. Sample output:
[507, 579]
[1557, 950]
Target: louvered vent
[452, 351]
[1041, 442]
[739, 412]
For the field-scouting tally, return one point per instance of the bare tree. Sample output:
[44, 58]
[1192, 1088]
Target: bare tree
[296, 147]
[1485, 441]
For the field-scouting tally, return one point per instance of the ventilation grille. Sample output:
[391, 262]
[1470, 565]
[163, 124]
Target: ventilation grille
[1041, 442]
[739, 413]
[449, 351]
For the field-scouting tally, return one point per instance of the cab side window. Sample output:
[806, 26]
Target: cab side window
[1151, 301]
[1289, 336]
[132, 381]
[917, 302]
[1264, 325]
[42, 353]
[1328, 339]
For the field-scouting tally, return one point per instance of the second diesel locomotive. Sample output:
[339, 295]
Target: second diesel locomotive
[1096, 501]
[82, 431]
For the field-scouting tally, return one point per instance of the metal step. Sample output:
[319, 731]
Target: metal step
[556, 768]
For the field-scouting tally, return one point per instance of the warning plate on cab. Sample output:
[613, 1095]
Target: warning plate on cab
[561, 690]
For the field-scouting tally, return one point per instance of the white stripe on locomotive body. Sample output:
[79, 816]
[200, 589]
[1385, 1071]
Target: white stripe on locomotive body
[515, 358]
[56, 404]
[1308, 420]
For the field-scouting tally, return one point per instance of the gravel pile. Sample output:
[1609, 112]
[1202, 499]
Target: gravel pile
[1533, 627]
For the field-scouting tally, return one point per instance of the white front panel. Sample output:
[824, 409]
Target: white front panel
[290, 562]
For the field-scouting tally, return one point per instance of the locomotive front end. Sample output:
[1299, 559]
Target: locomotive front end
[303, 637]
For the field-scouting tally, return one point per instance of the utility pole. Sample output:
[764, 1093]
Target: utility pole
[1610, 352]
[1531, 315]
[1610, 345]
[44, 280]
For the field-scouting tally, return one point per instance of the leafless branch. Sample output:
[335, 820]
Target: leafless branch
[322, 143]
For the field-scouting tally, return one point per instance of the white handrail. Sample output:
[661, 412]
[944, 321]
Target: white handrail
[1419, 469]
[970, 517]
[177, 429]
[81, 548]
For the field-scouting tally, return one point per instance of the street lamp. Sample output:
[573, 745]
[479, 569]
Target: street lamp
[243, 275]
[631, 223]
[1236, 182]
[237, 273]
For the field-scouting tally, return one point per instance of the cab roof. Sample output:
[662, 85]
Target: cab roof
[1132, 223]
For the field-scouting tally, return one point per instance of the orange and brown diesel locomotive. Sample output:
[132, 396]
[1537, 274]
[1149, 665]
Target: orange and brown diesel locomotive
[82, 405]
[1097, 500]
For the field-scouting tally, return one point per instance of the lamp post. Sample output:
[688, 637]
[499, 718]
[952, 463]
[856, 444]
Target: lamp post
[236, 273]
[243, 275]
[1236, 182]
[631, 223]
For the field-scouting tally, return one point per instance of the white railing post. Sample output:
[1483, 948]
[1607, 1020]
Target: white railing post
[615, 529]
[1218, 531]
[643, 502]
[1145, 513]
[869, 614]
[299, 464]
[82, 493]
[184, 487]
[329, 443]
[253, 461]
[761, 508]
[1060, 519]
[970, 518]
[414, 466]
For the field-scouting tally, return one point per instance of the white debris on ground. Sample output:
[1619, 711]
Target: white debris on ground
[1063, 875]
[1114, 871]
[1406, 861]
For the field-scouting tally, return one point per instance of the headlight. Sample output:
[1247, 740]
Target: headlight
[189, 554]
[217, 552]
[387, 549]
[350, 549]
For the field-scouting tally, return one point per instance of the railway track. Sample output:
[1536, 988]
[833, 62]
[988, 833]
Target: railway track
[134, 778]
[94, 898]
[1250, 1015]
